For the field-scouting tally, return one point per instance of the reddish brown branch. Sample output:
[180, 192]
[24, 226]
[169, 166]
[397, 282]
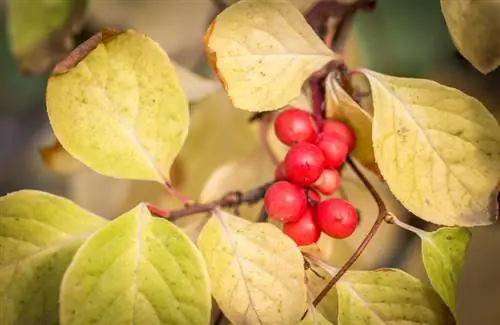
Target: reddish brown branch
[382, 213]
[229, 200]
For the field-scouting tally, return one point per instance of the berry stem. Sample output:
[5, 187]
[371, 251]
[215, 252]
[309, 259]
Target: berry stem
[178, 195]
[230, 200]
[382, 214]
[317, 101]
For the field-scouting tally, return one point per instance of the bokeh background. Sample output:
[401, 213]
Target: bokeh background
[405, 38]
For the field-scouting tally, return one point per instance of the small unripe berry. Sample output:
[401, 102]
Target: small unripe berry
[337, 218]
[280, 173]
[285, 202]
[329, 182]
[294, 125]
[334, 149]
[342, 130]
[305, 231]
[304, 163]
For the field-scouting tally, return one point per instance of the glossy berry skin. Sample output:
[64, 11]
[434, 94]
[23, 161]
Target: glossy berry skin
[342, 130]
[304, 163]
[294, 125]
[280, 173]
[305, 231]
[329, 182]
[285, 202]
[337, 218]
[334, 149]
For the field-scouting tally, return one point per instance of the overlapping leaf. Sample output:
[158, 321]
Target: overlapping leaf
[41, 32]
[263, 51]
[247, 262]
[388, 296]
[136, 270]
[474, 28]
[39, 233]
[437, 148]
[116, 105]
[340, 106]
[443, 253]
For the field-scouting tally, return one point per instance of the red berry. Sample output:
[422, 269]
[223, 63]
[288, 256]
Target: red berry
[285, 201]
[335, 150]
[342, 130]
[280, 173]
[294, 125]
[305, 231]
[329, 182]
[337, 218]
[313, 197]
[304, 163]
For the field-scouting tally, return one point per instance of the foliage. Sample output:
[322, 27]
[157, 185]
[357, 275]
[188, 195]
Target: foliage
[116, 106]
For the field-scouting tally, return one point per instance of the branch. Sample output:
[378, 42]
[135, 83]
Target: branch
[230, 200]
[382, 213]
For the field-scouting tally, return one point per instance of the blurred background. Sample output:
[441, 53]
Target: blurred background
[404, 38]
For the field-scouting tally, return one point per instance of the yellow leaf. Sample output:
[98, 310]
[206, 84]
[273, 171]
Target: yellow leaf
[474, 28]
[257, 272]
[263, 51]
[303, 5]
[59, 160]
[116, 105]
[340, 106]
[437, 148]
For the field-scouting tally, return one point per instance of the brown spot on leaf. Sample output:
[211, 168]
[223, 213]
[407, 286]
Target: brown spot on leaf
[84, 49]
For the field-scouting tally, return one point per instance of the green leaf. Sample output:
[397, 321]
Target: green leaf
[474, 28]
[116, 105]
[316, 319]
[443, 253]
[41, 32]
[254, 43]
[39, 234]
[257, 272]
[437, 148]
[388, 296]
[136, 270]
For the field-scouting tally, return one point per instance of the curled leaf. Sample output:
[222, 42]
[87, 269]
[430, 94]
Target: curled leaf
[437, 148]
[116, 105]
[41, 32]
[136, 270]
[254, 43]
[388, 296]
[340, 106]
[246, 263]
[474, 28]
[39, 234]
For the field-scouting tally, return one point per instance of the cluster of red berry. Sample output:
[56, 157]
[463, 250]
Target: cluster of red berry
[311, 166]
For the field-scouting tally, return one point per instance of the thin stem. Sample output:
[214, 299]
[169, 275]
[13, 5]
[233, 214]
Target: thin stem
[229, 200]
[263, 217]
[392, 219]
[178, 195]
[382, 213]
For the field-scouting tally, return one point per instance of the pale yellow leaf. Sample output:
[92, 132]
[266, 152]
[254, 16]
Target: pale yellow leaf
[263, 51]
[116, 105]
[388, 297]
[474, 27]
[437, 148]
[303, 5]
[257, 272]
[340, 106]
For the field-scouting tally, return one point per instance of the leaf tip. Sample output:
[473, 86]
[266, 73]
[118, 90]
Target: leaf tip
[85, 48]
